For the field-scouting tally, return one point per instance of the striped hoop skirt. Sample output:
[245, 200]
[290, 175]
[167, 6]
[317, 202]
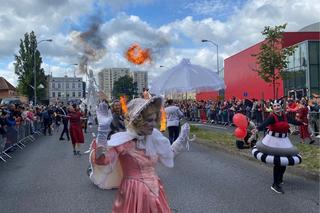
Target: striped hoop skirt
[276, 151]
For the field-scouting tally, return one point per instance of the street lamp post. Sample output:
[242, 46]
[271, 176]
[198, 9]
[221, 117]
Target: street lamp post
[215, 44]
[35, 71]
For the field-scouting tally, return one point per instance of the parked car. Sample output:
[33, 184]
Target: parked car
[8, 101]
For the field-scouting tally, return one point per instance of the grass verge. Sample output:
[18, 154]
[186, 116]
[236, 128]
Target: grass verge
[310, 154]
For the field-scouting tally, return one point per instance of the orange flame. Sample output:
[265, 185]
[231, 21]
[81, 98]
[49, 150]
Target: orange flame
[123, 103]
[137, 55]
[163, 120]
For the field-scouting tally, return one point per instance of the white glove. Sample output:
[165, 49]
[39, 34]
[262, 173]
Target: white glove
[182, 141]
[104, 117]
[185, 131]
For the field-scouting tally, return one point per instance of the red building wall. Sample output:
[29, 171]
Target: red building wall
[241, 80]
[213, 95]
[291, 38]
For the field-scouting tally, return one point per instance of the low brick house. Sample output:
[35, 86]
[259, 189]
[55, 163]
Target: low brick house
[6, 89]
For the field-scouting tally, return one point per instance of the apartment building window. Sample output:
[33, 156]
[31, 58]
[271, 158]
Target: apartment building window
[59, 94]
[67, 85]
[79, 85]
[53, 85]
[53, 94]
[73, 85]
[73, 94]
[59, 86]
[79, 94]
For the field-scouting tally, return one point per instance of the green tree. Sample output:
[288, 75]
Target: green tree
[125, 86]
[272, 59]
[28, 59]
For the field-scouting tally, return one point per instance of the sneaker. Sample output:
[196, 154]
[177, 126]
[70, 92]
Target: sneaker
[277, 189]
[78, 153]
[61, 139]
[74, 152]
[311, 142]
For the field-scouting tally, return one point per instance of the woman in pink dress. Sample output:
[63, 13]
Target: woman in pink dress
[76, 133]
[138, 150]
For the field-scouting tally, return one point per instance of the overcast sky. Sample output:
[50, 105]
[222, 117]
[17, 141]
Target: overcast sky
[172, 29]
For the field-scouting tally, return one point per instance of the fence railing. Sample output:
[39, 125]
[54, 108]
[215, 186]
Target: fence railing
[224, 117]
[18, 136]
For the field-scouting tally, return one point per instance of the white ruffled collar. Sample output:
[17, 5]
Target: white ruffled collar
[145, 142]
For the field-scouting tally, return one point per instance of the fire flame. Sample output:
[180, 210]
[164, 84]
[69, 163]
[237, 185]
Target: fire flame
[163, 120]
[137, 55]
[123, 103]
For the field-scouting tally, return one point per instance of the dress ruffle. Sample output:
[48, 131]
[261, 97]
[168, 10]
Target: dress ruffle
[134, 196]
[276, 160]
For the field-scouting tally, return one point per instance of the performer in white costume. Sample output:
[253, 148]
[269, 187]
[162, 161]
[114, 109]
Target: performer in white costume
[99, 174]
[138, 150]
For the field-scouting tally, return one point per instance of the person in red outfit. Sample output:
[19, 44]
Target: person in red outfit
[302, 116]
[75, 128]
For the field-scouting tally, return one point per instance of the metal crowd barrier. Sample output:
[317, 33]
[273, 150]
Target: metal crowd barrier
[18, 136]
[314, 123]
[225, 117]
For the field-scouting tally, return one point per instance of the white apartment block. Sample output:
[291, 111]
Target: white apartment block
[107, 77]
[141, 77]
[65, 89]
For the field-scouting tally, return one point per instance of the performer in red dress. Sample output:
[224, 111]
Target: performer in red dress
[276, 147]
[75, 128]
[138, 150]
[302, 116]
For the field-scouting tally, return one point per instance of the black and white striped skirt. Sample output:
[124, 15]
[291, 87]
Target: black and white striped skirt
[276, 160]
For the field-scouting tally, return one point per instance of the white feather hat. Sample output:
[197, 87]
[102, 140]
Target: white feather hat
[137, 105]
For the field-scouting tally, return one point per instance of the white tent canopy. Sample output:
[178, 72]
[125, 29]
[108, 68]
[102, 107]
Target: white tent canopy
[187, 77]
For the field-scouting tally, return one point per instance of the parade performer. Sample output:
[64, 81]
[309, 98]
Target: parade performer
[276, 148]
[77, 138]
[138, 150]
[100, 174]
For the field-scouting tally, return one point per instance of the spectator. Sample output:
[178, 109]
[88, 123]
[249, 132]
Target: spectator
[174, 115]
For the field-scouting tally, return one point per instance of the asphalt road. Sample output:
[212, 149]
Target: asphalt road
[45, 177]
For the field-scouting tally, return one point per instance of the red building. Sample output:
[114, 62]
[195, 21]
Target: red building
[242, 82]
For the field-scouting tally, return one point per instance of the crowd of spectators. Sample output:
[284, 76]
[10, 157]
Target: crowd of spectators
[221, 112]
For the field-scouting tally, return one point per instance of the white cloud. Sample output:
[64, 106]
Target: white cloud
[8, 74]
[43, 17]
[169, 43]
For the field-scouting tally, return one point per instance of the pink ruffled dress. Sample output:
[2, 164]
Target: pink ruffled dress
[140, 190]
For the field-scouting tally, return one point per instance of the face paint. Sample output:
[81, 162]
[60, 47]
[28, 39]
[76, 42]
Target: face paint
[277, 108]
[150, 122]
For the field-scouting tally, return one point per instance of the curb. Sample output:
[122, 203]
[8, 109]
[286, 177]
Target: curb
[310, 175]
